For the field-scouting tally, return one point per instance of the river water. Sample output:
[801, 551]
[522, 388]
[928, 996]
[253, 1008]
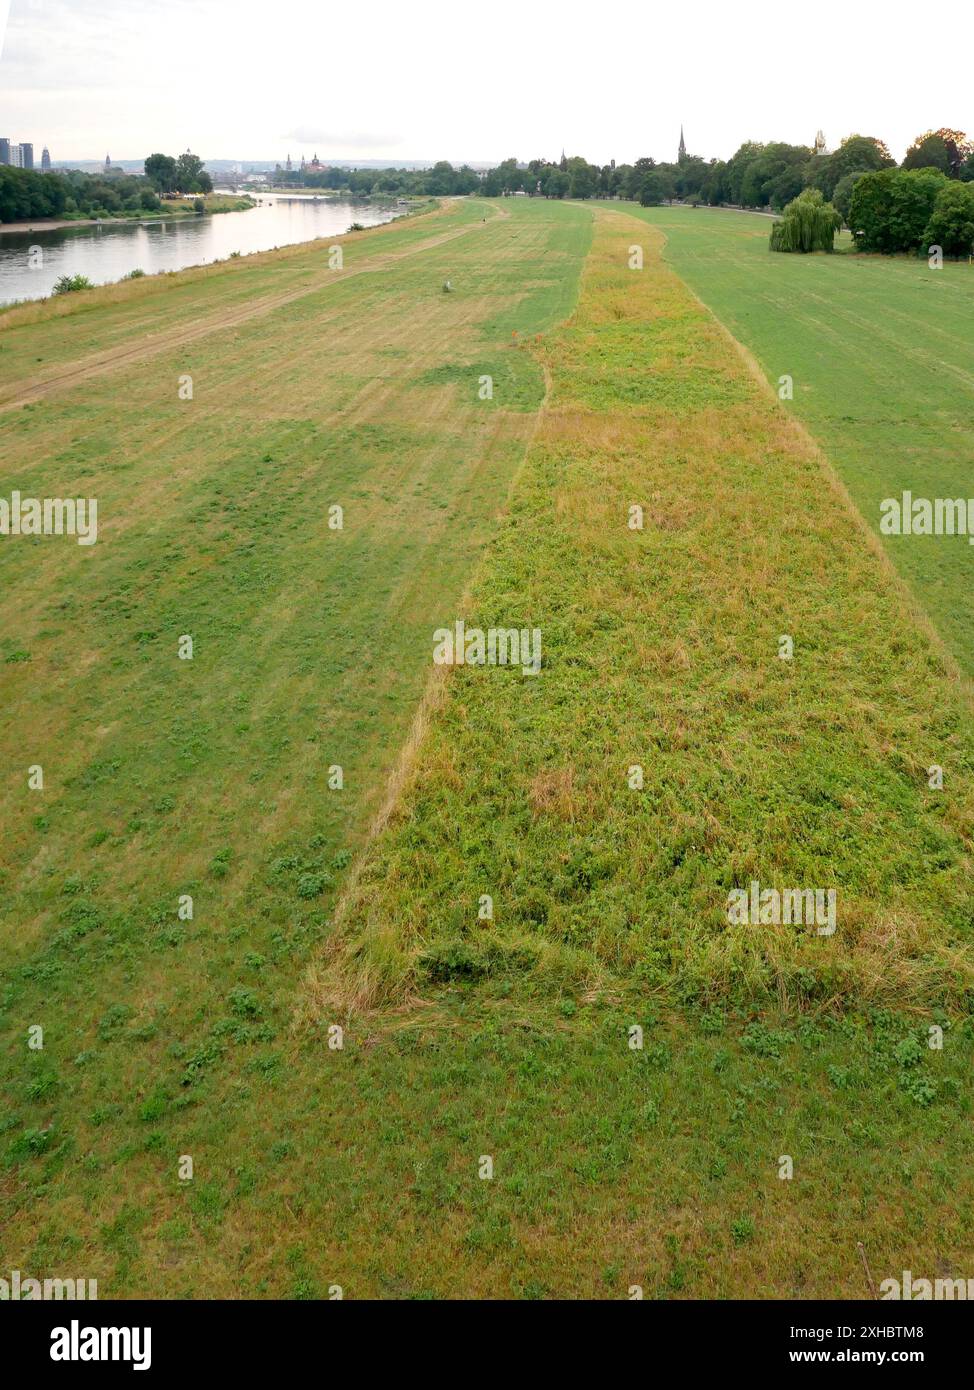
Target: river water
[107, 253]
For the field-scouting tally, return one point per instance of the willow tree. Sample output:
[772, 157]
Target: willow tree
[808, 223]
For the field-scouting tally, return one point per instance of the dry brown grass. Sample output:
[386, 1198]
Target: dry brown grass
[553, 794]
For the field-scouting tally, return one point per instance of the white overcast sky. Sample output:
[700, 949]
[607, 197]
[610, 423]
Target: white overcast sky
[456, 79]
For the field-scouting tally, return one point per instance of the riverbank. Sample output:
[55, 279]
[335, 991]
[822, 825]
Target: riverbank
[107, 253]
[214, 204]
[127, 290]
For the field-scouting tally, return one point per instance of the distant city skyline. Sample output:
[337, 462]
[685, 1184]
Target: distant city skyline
[19, 154]
[442, 82]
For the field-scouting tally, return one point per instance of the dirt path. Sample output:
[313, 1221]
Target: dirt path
[97, 364]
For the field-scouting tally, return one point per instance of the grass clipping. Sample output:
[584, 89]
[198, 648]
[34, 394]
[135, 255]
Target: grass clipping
[799, 764]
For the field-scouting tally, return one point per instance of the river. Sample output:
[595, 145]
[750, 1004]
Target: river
[108, 252]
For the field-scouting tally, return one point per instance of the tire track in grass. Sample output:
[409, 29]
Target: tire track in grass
[143, 490]
[222, 321]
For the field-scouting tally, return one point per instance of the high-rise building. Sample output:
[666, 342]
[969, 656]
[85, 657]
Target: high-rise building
[27, 156]
[46, 160]
[4, 150]
[17, 156]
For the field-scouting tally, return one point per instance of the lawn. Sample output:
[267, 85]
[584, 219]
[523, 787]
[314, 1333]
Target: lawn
[881, 355]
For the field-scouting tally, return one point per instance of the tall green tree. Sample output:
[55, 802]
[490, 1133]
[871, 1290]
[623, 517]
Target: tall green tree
[737, 168]
[656, 187]
[774, 176]
[714, 187]
[857, 154]
[26, 193]
[951, 225]
[928, 152]
[842, 194]
[944, 149]
[555, 183]
[889, 210]
[160, 170]
[583, 179]
[506, 177]
[191, 177]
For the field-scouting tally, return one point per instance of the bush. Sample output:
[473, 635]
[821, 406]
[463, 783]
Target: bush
[135, 274]
[312, 885]
[70, 284]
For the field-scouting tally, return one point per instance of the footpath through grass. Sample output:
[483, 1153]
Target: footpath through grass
[881, 355]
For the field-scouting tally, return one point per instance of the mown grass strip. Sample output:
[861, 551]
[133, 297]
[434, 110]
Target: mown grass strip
[57, 344]
[880, 354]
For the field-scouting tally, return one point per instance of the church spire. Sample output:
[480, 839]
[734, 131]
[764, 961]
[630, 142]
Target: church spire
[683, 148]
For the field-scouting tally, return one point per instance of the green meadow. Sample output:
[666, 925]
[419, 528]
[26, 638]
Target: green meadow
[881, 355]
[637, 1071]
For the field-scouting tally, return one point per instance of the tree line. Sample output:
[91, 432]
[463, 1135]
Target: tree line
[756, 176]
[183, 173]
[28, 195]
[442, 181]
[889, 208]
[927, 202]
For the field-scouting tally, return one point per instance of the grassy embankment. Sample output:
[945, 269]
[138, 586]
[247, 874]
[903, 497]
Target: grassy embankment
[662, 651]
[360, 1167]
[881, 354]
[163, 777]
[144, 307]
